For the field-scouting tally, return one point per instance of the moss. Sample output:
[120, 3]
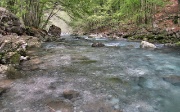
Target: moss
[71, 69]
[22, 52]
[13, 73]
[131, 38]
[177, 43]
[145, 39]
[83, 60]
[117, 80]
[150, 37]
[88, 61]
[159, 37]
[15, 59]
[77, 57]
[1, 56]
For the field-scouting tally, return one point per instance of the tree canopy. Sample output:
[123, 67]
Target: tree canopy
[86, 14]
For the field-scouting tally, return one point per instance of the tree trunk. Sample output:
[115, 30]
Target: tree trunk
[33, 15]
[10, 5]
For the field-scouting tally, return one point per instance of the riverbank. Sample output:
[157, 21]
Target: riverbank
[168, 38]
[16, 41]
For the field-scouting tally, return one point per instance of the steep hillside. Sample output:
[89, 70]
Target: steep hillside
[168, 16]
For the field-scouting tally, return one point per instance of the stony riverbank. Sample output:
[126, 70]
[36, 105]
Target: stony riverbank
[169, 37]
[16, 41]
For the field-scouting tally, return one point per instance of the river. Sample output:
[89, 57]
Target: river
[120, 77]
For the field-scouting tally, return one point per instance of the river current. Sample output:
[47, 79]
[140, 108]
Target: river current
[118, 77]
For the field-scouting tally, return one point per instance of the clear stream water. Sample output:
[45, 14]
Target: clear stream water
[120, 76]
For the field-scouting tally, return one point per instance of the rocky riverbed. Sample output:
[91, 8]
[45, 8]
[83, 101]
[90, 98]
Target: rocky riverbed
[72, 76]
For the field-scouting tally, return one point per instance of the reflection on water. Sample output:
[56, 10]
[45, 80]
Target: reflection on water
[120, 76]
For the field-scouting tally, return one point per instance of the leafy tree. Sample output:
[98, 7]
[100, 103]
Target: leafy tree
[32, 11]
[85, 14]
[97, 14]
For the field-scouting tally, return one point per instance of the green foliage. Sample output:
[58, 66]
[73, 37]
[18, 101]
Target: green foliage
[15, 59]
[110, 13]
[33, 11]
[85, 14]
[177, 43]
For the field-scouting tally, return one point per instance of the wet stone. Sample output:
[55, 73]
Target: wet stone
[173, 79]
[98, 45]
[99, 106]
[70, 94]
[3, 90]
[60, 106]
[5, 83]
[13, 73]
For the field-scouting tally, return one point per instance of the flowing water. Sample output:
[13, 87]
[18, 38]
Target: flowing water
[120, 76]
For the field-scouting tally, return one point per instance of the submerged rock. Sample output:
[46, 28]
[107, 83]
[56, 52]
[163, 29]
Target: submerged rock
[145, 44]
[70, 94]
[10, 23]
[13, 73]
[97, 44]
[115, 80]
[31, 65]
[60, 106]
[5, 83]
[2, 90]
[4, 86]
[100, 106]
[173, 79]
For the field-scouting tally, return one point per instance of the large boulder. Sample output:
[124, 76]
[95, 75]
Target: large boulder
[10, 23]
[13, 48]
[54, 31]
[36, 32]
[12, 43]
[145, 44]
[70, 94]
[17, 43]
[173, 79]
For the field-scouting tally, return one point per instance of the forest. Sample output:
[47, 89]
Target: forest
[89, 15]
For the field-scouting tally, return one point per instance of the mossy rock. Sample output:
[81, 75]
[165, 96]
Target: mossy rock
[159, 37]
[77, 57]
[88, 61]
[22, 52]
[150, 37]
[139, 36]
[15, 59]
[71, 69]
[117, 80]
[2, 60]
[1, 56]
[131, 38]
[83, 60]
[177, 44]
[2, 90]
[13, 73]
